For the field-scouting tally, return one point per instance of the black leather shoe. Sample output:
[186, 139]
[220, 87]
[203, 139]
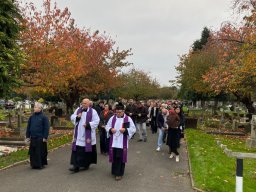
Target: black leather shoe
[74, 169]
[85, 168]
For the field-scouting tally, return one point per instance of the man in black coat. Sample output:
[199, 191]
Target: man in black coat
[141, 118]
[37, 133]
[130, 110]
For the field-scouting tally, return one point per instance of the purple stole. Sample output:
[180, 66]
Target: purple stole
[88, 136]
[124, 142]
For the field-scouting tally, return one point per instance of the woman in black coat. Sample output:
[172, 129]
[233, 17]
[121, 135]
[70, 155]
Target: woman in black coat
[104, 138]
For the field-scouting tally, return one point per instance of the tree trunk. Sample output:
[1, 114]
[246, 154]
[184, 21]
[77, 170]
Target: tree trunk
[215, 106]
[246, 100]
[203, 104]
[69, 99]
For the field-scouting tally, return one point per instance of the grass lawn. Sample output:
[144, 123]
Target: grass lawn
[22, 154]
[212, 169]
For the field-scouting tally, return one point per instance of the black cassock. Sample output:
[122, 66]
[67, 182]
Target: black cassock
[80, 158]
[38, 153]
[118, 166]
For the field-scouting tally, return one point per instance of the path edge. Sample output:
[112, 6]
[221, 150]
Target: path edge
[190, 168]
[27, 160]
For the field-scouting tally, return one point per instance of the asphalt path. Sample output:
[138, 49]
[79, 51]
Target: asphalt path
[146, 171]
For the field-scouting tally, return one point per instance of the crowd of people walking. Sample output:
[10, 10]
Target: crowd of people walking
[116, 124]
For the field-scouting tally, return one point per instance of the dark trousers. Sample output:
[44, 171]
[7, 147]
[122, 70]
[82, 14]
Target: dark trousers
[118, 166]
[173, 140]
[38, 153]
[103, 141]
[182, 132]
[80, 158]
[174, 150]
[164, 137]
[153, 124]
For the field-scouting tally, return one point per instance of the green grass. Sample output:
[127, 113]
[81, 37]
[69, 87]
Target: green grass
[22, 154]
[212, 170]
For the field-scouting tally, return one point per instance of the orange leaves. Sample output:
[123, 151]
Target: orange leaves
[232, 61]
[60, 55]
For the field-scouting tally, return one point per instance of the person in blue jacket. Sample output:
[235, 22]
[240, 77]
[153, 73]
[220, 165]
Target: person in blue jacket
[37, 134]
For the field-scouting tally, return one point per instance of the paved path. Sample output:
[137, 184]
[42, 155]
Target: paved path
[146, 171]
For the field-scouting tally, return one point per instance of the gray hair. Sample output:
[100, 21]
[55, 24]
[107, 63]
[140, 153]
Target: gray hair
[39, 105]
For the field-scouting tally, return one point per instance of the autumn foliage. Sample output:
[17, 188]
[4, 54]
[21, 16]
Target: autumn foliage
[64, 60]
[229, 58]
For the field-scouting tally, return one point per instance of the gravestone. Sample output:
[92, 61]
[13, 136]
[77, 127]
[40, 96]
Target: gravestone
[222, 118]
[198, 104]
[234, 124]
[9, 125]
[251, 141]
[19, 130]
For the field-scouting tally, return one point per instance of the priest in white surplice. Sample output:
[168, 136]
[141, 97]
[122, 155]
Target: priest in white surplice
[84, 153]
[121, 128]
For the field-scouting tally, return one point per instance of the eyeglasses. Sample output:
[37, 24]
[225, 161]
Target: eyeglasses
[119, 112]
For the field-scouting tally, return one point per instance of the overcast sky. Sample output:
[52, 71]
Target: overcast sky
[156, 30]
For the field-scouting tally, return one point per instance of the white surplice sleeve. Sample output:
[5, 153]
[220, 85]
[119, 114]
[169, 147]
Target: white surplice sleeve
[73, 117]
[109, 124]
[95, 119]
[131, 129]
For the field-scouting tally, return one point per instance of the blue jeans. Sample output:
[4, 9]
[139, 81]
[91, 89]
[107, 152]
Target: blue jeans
[142, 130]
[160, 137]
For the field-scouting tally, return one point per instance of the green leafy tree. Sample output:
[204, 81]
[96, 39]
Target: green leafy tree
[11, 56]
[137, 85]
[168, 92]
[191, 68]
[199, 44]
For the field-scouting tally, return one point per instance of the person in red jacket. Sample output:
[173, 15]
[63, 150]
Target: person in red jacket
[173, 122]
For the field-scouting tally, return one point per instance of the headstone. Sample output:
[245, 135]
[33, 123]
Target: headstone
[222, 119]
[251, 141]
[234, 125]
[9, 120]
[220, 103]
[198, 104]
[54, 120]
[17, 129]
[58, 112]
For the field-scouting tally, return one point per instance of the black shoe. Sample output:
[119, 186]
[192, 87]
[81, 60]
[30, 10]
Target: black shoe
[85, 168]
[42, 167]
[35, 167]
[139, 140]
[74, 169]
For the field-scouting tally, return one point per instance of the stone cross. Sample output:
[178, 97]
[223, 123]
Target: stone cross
[251, 141]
